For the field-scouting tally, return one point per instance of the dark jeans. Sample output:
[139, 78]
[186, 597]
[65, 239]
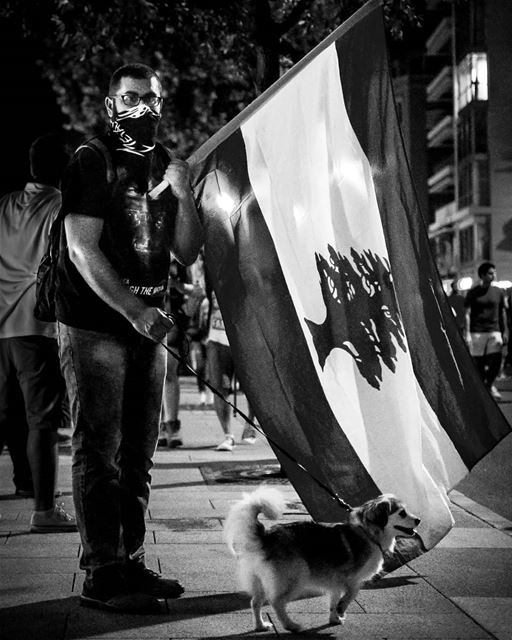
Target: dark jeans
[115, 386]
[14, 434]
[31, 390]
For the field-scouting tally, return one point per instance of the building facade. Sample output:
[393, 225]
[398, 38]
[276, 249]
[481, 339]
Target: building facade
[466, 74]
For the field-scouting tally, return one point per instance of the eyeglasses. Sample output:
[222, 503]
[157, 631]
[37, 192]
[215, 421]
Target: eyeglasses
[133, 100]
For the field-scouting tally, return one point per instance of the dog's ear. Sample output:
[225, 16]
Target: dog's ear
[378, 513]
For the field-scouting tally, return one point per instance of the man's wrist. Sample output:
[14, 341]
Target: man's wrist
[134, 309]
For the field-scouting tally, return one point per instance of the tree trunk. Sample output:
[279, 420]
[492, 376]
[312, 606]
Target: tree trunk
[266, 36]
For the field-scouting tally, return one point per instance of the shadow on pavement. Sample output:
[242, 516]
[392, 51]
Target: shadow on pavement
[176, 485]
[175, 465]
[56, 619]
[389, 583]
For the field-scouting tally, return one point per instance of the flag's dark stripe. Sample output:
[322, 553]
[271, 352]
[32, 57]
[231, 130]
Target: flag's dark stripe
[211, 144]
[271, 354]
[465, 410]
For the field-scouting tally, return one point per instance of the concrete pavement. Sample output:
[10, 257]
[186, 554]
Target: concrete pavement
[460, 589]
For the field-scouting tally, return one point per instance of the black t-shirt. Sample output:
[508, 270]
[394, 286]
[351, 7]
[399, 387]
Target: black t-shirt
[136, 238]
[486, 305]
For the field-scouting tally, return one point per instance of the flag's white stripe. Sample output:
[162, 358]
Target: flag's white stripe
[324, 195]
[442, 469]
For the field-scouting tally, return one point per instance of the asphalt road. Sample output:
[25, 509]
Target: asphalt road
[490, 481]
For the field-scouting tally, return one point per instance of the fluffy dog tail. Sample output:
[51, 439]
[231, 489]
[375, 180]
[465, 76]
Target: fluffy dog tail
[242, 529]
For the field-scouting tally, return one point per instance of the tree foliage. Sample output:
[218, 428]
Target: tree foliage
[213, 56]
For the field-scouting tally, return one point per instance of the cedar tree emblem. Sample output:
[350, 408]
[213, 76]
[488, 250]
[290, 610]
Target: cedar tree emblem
[362, 312]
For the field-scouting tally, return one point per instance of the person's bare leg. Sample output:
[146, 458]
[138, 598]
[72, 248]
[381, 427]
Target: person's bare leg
[170, 406]
[249, 433]
[223, 411]
[171, 399]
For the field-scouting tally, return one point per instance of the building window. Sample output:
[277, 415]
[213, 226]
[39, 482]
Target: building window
[471, 79]
[474, 186]
[472, 130]
[443, 250]
[483, 240]
[467, 244]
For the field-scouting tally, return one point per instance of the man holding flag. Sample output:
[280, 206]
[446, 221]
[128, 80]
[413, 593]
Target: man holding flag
[110, 298]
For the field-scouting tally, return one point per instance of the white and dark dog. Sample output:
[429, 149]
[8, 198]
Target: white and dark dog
[297, 559]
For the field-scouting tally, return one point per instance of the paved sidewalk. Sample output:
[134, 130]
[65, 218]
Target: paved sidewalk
[460, 589]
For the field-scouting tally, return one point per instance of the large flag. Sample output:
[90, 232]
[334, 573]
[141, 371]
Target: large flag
[342, 336]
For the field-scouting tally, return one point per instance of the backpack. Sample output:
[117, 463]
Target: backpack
[46, 279]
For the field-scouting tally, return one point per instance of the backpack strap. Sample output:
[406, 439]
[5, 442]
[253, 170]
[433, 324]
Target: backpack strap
[101, 148]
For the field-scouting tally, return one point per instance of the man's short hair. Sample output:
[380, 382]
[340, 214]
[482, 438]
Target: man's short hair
[48, 157]
[135, 70]
[484, 268]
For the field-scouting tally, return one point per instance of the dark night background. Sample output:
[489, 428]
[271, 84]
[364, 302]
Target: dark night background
[28, 107]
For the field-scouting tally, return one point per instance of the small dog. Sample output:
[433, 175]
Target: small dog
[298, 559]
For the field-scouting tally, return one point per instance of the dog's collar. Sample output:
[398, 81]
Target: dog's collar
[372, 539]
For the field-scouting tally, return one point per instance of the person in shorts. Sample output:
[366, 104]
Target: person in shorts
[170, 425]
[221, 375]
[486, 325]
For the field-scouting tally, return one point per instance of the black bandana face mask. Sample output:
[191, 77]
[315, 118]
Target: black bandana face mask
[135, 129]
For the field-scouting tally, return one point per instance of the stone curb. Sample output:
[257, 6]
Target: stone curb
[482, 513]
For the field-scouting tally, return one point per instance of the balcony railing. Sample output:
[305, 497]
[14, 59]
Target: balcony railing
[441, 133]
[440, 85]
[444, 215]
[442, 180]
[439, 37]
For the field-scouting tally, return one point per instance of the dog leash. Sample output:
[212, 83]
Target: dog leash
[177, 356]
[335, 496]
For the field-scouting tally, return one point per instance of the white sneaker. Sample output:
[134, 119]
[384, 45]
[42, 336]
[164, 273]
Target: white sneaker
[54, 520]
[249, 435]
[226, 445]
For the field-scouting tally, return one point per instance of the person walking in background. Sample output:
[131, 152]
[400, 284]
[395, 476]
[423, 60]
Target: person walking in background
[197, 332]
[456, 300]
[221, 373]
[196, 308]
[170, 424]
[183, 301]
[112, 280]
[30, 378]
[507, 357]
[486, 326]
